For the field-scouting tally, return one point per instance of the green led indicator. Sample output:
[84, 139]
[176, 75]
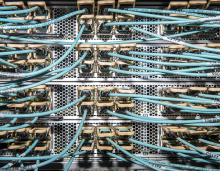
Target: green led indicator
[128, 99]
[32, 138]
[92, 99]
[80, 138]
[49, 60]
[161, 137]
[110, 61]
[0, 22]
[110, 99]
[191, 138]
[1, 100]
[209, 138]
[116, 99]
[98, 138]
[50, 138]
[37, 99]
[32, 99]
[128, 61]
[49, 99]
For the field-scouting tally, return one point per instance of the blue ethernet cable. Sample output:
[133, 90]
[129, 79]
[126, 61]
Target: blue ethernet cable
[211, 56]
[16, 21]
[209, 142]
[162, 98]
[8, 141]
[8, 95]
[199, 149]
[167, 149]
[203, 11]
[134, 157]
[177, 20]
[134, 73]
[10, 86]
[155, 120]
[162, 71]
[176, 41]
[34, 166]
[20, 162]
[9, 124]
[179, 106]
[19, 126]
[168, 12]
[17, 52]
[198, 159]
[19, 11]
[208, 54]
[181, 70]
[165, 63]
[41, 24]
[199, 111]
[37, 162]
[72, 158]
[44, 81]
[7, 48]
[8, 63]
[43, 113]
[18, 100]
[7, 8]
[7, 24]
[160, 163]
[192, 97]
[209, 96]
[183, 55]
[50, 66]
[202, 25]
[40, 157]
[22, 155]
[187, 56]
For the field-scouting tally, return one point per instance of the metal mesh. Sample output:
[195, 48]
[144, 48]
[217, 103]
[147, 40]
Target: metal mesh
[71, 58]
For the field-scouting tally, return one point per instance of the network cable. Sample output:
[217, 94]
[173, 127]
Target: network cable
[72, 158]
[22, 155]
[50, 66]
[34, 166]
[168, 12]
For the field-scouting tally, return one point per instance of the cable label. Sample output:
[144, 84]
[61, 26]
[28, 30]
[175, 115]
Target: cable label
[214, 22]
[6, 112]
[215, 102]
[13, 90]
[211, 120]
[213, 74]
[211, 154]
[9, 75]
[209, 19]
[22, 155]
[212, 63]
[174, 41]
